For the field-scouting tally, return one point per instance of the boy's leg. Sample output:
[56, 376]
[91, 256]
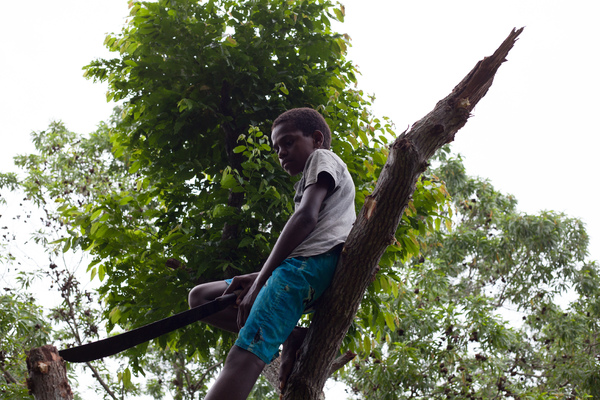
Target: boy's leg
[289, 354]
[225, 319]
[238, 376]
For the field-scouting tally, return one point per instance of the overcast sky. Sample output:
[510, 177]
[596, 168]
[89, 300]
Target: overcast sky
[534, 135]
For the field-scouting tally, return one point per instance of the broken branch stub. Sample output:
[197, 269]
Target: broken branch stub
[47, 375]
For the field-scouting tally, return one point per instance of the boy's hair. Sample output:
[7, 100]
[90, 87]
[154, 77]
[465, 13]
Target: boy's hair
[307, 121]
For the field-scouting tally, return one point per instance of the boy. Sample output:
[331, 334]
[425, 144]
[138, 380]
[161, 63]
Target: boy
[300, 266]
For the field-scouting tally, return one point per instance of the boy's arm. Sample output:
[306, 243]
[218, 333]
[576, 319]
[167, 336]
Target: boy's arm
[300, 224]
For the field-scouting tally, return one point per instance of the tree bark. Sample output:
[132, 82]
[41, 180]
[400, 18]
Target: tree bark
[271, 371]
[378, 220]
[231, 231]
[47, 375]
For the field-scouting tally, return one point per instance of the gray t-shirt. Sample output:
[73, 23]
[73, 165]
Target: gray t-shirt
[337, 213]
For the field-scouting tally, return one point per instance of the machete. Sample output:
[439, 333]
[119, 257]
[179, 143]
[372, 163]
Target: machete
[118, 343]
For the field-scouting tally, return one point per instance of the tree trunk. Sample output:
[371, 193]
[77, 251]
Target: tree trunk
[47, 375]
[271, 371]
[378, 220]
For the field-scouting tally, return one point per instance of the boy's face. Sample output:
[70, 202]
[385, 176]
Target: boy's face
[293, 148]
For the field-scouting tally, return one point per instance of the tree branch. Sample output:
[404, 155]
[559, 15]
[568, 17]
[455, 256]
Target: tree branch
[9, 378]
[202, 379]
[230, 231]
[101, 381]
[378, 220]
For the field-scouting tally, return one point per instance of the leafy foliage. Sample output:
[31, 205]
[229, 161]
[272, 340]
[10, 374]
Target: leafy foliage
[76, 171]
[202, 83]
[22, 327]
[450, 337]
[182, 187]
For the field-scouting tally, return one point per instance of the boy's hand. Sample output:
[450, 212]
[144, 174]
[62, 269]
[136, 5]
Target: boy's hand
[247, 288]
[241, 284]
[247, 302]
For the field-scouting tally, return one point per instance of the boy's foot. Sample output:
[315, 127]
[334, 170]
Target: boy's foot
[289, 354]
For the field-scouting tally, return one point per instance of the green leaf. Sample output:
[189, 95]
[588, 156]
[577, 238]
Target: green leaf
[389, 320]
[101, 272]
[230, 41]
[115, 314]
[94, 228]
[96, 214]
[228, 181]
[135, 167]
[245, 242]
[67, 245]
[363, 136]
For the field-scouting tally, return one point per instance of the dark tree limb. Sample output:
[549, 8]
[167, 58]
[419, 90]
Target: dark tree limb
[378, 220]
[7, 375]
[101, 381]
[231, 231]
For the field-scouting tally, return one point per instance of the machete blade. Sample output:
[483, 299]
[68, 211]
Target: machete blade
[118, 343]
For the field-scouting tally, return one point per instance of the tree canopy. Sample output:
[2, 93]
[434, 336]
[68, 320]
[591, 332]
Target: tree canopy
[181, 187]
[202, 83]
[503, 304]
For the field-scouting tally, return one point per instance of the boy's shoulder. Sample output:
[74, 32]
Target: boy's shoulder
[323, 160]
[325, 156]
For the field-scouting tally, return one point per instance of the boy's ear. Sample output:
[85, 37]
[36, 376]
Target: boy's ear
[318, 138]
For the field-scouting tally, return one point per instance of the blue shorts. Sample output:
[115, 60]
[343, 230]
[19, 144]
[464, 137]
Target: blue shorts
[290, 292]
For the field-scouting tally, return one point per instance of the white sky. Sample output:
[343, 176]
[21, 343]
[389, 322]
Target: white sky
[534, 134]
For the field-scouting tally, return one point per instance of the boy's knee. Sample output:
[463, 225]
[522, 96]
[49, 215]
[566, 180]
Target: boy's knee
[197, 297]
[206, 292]
[242, 359]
